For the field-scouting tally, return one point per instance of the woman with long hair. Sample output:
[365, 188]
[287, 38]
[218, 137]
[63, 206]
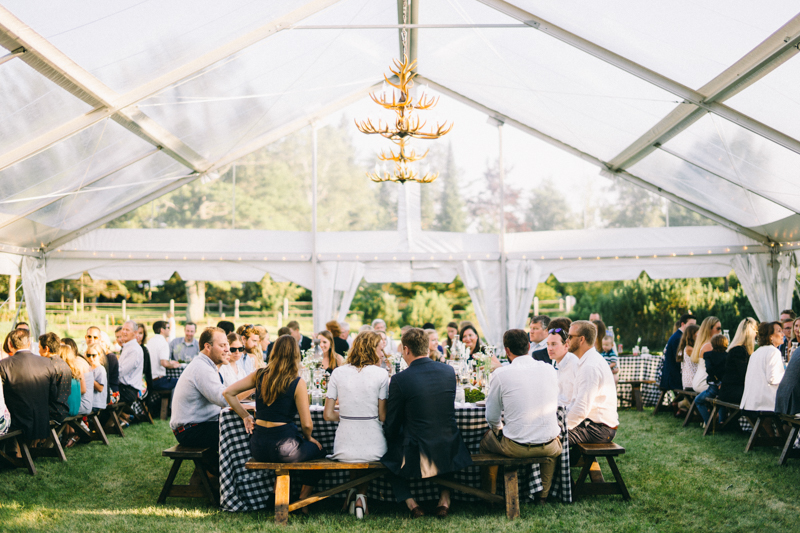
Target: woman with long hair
[330, 359]
[361, 387]
[340, 345]
[685, 351]
[708, 328]
[280, 395]
[764, 370]
[469, 336]
[742, 345]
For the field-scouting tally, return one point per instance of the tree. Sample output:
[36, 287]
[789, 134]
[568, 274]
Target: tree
[484, 207]
[549, 210]
[428, 306]
[635, 207]
[451, 216]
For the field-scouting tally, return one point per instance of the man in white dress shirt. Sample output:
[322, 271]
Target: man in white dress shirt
[131, 365]
[592, 414]
[566, 364]
[521, 408]
[160, 361]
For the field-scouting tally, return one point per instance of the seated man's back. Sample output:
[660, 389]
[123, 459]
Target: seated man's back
[29, 382]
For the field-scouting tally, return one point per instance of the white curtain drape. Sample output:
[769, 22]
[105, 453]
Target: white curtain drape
[522, 277]
[34, 280]
[768, 289]
[336, 285]
[482, 280]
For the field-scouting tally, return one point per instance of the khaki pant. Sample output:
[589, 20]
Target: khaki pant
[505, 446]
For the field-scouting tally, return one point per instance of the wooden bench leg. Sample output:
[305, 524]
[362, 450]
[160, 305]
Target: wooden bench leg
[113, 425]
[282, 486]
[659, 402]
[618, 477]
[98, 433]
[489, 478]
[636, 392]
[788, 448]
[199, 467]
[26, 460]
[712, 420]
[176, 465]
[511, 482]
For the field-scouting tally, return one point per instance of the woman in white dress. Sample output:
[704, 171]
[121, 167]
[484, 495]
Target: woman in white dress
[764, 370]
[361, 387]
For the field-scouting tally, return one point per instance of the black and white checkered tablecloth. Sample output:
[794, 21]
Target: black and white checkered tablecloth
[176, 372]
[248, 490]
[641, 368]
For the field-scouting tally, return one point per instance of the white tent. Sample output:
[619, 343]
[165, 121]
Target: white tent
[93, 127]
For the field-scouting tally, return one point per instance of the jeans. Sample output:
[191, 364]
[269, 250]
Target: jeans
[700, 401]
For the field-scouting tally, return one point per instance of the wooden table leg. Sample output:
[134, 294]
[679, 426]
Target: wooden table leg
[282, 497]
[511, 481]
[636, 392]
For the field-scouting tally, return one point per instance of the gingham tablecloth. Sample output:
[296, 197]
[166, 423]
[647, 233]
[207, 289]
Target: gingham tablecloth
[249, 490]
[176, 372]
[640, 368]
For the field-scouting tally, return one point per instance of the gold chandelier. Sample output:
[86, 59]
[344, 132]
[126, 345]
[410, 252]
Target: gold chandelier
[406, 126]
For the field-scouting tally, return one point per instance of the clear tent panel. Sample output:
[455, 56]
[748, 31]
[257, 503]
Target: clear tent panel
[690, 42]
[708, 190]
[31, 105]
[286, 77]
[130, 42]
[772, 100]
[542, 82]
[742, 157]
[76, 161]
[108, 195]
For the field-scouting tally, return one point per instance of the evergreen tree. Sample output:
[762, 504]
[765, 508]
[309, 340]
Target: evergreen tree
[484, 207]
[549, 210]
[452, 216]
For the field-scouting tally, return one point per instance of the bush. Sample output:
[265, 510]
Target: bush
[428, 306]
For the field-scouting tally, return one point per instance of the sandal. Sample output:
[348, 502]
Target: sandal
[73, 441]
[350, 502]
[361, 511]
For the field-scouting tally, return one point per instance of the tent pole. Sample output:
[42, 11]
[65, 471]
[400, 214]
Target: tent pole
[503, 258]
[314, 300]
[233, 201]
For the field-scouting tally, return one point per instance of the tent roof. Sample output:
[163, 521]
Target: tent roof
[690, 101]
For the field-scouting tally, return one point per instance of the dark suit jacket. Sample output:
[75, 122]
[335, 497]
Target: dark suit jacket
[59, 404]
[305, 343]
[29, 382]
[421, 433]
[340, 346]
[541, 355]
[732, 387]
[671, 371]
[787, 400]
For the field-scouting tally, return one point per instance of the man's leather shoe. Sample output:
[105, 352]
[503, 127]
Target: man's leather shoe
[441, 511]
[417, 512]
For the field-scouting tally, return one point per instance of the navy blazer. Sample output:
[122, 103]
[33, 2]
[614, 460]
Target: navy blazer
[422, 436]
[541, 355]
[30, 384]
[671, 371]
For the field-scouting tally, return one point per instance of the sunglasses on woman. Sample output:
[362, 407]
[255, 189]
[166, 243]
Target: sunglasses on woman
[239, 349]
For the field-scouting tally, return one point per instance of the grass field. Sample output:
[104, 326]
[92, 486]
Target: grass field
[679, 482]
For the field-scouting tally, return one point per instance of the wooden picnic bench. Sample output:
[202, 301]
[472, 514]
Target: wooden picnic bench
[199, 485]
[767, 429]
[26, 461]
[589, 453]
[734, 412]
[789, 450]
[376, 469]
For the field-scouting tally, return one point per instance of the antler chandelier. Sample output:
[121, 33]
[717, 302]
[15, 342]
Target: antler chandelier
[406, 125]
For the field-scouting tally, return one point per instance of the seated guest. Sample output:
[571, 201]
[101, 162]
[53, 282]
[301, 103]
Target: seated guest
[469, 336]
[565, 362]
[5, 416]
[160, 357]
[684, 357]
[732, 386]
[95, 353]
[608, 353]
[592, 416]
[787, 399]
[49, 345]
[294, 330]
[227, 326]
[184, 348]
[361, 387]
[281, 332]
[76, 391]
[345, 333]
[197, 400]
[521, 408]
[702, 344]
[715, 367]
[764, 370]
[131, 366]
[29, 382]
[339, 344]
[788, 337]
[452, 331]
[263, 341]
[561, 323]
[422, 437]
[280, 395]
[109, 361]
[671, 371]
[434, 350]
[252, 345]
[232, 372]
[330, 359]
[538, 332]
[83, 372]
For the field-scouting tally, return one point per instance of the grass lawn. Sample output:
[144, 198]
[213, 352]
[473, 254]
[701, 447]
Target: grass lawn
[679, 481]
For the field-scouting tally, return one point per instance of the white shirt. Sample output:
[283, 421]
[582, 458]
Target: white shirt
[231, 373]
[525, 394]
[198, 394]
[246, 364]
[159, 351]
[131, 365]
[764, 374]
[595, 392]
[567, 376]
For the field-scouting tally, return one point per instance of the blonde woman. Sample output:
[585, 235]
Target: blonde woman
[433, 345]
[711, 326]
[361, 387]
[280, 395]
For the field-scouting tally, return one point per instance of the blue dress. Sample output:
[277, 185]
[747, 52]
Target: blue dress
[671, 371]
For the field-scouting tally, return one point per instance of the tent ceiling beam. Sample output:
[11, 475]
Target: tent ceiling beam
[46, 59]
[61, 194]
[56, 66]
[659, 80]
[763, 59]
[264, 140]
[598, 162]
[11, 55]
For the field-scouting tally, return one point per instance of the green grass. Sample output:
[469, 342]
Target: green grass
[679, 482]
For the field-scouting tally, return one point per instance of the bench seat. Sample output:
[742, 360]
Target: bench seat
[590, 451]
[26, 461]
[199, 485]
